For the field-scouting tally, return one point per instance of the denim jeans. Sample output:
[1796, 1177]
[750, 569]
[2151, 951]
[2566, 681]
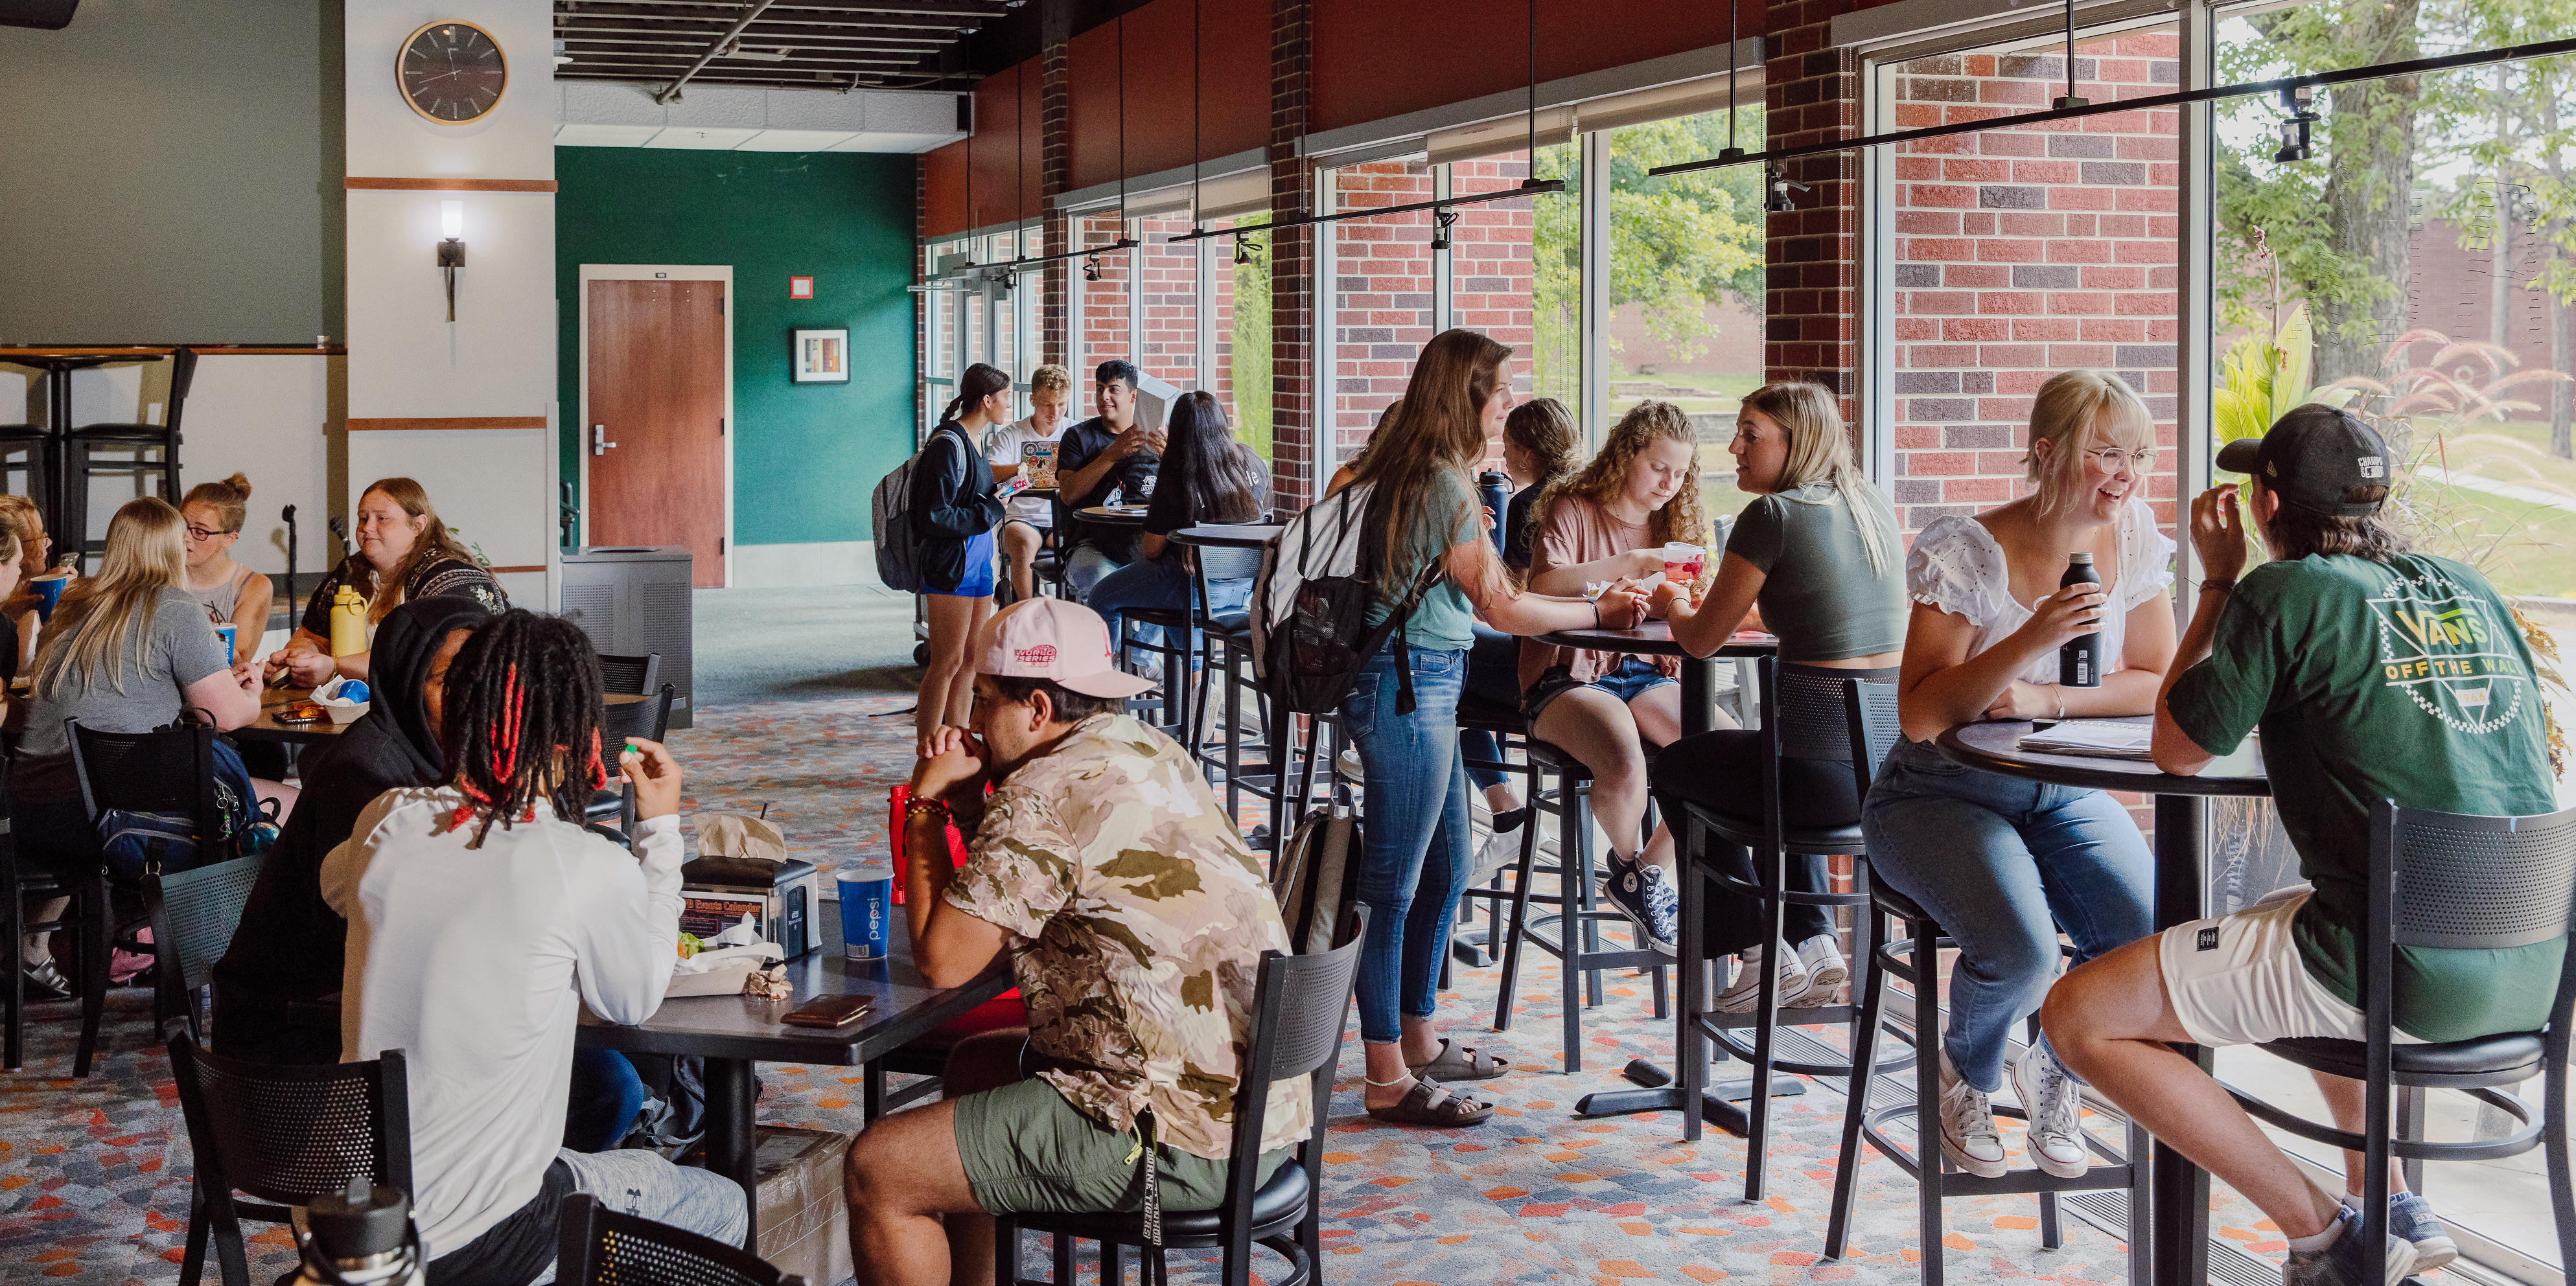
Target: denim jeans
[2003, 864]
[606, 1097]
[1414, 830]
[1160, 582]
[1084, 567]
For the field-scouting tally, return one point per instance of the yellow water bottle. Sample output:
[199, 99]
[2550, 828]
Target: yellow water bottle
[348, 622]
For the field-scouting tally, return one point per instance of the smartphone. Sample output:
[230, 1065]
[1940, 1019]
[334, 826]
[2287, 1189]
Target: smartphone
[829, 1011]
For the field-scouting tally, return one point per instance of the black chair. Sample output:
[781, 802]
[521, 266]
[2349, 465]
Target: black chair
[90, 919]
[2453, 882]
[649, 719]
[193, 916]
[80, 459]
[597, 1246]
[1872, 716]
[1577, 918]
[167, 770]
[1806, 715]
[1301, 1005]
[283, 1135]
[1170, 698]
[629, 676]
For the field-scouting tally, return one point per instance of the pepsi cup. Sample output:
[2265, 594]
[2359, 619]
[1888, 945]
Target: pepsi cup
[49, 593]
[867, 901]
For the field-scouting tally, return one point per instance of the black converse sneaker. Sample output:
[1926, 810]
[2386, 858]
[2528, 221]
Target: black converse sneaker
[1644, 894]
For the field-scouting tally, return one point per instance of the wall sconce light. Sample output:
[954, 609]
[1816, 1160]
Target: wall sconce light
[2300, 102]
[451, 251]
[1779, 202]
[1441, 219]
[1091, 268]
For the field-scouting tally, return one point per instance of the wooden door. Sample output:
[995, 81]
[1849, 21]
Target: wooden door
[654, 438]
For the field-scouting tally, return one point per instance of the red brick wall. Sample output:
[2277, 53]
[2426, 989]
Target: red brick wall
[1381, 296]
[1489, 258]
[1294, 431]
[1811, 94]
[2021, 253]
[1169, 348]
[1104, 302]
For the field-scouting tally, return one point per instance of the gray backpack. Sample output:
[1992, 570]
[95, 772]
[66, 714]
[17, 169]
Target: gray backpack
[890, 515]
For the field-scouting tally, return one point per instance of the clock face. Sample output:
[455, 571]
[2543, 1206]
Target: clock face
[451, 72]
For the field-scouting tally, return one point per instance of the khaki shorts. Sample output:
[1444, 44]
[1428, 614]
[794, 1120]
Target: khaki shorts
[1029, 1151]
[2239, 979]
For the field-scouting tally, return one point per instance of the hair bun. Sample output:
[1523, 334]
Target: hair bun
[239, 482]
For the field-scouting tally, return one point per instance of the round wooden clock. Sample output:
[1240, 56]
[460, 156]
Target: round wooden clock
[451, 72]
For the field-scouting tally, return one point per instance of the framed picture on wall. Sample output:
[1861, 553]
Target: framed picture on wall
[822, 357]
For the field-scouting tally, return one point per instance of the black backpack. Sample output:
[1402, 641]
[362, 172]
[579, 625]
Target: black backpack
[1311, 601]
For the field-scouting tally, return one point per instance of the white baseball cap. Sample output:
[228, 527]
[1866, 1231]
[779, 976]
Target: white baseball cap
[1049, 638]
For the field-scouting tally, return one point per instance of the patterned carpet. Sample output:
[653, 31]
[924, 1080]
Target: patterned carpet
[93, 1174]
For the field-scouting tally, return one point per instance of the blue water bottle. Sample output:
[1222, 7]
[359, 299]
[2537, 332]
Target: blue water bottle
[1496, 489]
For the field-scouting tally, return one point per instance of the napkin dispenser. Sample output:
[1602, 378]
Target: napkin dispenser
[742, 868]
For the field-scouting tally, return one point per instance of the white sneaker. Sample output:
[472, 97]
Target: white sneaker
[1826, 970]
[1744, 995]
[1968, 1135]
[1502, 847]
[1349, 766]
[2054, 1102]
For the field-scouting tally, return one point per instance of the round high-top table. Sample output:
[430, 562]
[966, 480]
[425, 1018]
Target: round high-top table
[1222, 535]
[1113, 515]
[2178, 1222]
[268, 727]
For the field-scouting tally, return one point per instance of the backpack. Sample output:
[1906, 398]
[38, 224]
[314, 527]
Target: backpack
[898, 541]
[1317, 880]
[136, 844]
[1310, 606]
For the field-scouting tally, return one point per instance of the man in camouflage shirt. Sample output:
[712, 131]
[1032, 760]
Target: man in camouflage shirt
[1135, 919]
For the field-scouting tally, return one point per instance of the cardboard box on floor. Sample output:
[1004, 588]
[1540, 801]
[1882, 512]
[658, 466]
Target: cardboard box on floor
[804, 1227]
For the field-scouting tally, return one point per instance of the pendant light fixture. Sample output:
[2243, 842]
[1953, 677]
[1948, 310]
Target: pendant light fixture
[1020, 150]
[1731, 152]
[2300, 102]
[2070, 100]
[1198, 223]
[1533, 180]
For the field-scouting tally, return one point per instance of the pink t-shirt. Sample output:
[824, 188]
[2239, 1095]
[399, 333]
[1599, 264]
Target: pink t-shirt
[1578, 531]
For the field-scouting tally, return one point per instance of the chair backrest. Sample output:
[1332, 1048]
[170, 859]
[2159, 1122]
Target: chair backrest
[1227, 563]
[1809, 719]
[166, 770]
[629, 675]
[2474, 883]
[1301, 1004]
[193, 915]
[1869, 712]
[597, 1246]
[183, 376]
[290, 1133]
[649, 718]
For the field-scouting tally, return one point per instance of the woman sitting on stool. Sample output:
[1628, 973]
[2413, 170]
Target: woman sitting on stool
[1817, 550]
[1207, 477]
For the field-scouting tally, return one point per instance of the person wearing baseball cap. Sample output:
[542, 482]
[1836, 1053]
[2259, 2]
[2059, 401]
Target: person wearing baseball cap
[2374, 673]
[1134, 918]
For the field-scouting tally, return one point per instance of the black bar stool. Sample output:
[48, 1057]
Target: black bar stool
[1808, 713]
[80, 459]
[1475, 714]
[1577, 917]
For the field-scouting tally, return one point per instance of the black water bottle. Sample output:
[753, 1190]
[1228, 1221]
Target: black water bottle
[1496, 489]
[2079, 659]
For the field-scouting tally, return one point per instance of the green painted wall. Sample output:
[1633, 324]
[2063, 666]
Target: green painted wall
[805, 456]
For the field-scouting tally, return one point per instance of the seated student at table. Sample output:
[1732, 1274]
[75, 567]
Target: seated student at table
[1031, 524]
[404, 552]
[1817, 551]
[286, 957]
[1538, 448]
[482, 919]
[1108, 452]
[2004, 863]
[127, 650]
[2298, 647]
[1134, 919]
[233, 594]
[1606, 524]
[1207, 477]
[19, 621]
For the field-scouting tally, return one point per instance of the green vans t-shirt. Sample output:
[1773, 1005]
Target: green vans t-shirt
[2403, 680]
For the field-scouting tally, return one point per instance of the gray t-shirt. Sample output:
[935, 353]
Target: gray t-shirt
[180, 648]
[1819, 593]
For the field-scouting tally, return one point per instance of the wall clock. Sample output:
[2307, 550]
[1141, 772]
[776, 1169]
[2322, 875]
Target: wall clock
[451, 72]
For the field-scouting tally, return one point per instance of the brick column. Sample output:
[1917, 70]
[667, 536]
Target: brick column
[1294, 418]
[1055, 176]
[1813, 256]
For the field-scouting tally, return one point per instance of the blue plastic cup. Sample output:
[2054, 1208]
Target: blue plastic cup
[226, 632]
[867, 902]
[49, 592]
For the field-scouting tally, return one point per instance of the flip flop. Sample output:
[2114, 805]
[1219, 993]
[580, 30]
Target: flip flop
[1457, 1062]
[1428, 1104]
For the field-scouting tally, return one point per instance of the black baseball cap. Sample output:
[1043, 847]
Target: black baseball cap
[2313, 457]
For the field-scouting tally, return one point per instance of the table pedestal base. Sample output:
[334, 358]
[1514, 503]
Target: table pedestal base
[1717, 1102]
[731, 1137]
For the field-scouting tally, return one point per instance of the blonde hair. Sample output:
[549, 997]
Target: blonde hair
[1644, 425]
[1820, 451]
[2064, 413]
[383, 592]
[1050, 378]
[20, 517]
[1544, 428]
[227, 498]
[105, 617]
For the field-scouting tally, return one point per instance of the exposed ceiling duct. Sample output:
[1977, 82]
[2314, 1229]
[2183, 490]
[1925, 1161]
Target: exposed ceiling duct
[673, 45]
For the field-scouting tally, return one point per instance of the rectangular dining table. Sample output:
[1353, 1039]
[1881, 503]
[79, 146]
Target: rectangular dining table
[733, 1032]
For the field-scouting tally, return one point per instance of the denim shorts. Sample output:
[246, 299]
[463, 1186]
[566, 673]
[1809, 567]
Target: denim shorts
[1633, 677]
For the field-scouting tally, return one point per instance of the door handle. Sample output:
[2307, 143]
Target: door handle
[599, 443]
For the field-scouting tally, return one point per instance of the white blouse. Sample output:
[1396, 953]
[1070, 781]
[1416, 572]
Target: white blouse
[1957, 566]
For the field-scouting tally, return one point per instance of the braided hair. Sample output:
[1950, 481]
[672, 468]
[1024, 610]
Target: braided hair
[522, 714]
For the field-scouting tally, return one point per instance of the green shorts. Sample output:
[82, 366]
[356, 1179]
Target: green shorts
[1029, 1151]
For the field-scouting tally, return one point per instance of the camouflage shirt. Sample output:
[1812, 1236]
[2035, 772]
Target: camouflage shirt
[1137, 919]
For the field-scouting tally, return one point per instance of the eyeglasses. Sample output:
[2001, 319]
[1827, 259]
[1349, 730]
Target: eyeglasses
[196, 532]
[2115, 459]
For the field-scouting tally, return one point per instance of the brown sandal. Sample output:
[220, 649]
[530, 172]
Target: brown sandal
[1456, 1062]
[1429, 1104]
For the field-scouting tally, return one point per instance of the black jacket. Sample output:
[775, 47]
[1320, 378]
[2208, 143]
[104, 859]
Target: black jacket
[952, 503]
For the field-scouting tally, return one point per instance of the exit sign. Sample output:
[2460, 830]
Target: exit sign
[800, 288]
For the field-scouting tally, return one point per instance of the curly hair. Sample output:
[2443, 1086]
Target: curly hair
[523, 710]
[1680, 518]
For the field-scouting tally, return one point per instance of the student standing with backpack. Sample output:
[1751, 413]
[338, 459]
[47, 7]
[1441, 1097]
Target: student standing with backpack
[1415, 856]
[954, 511]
